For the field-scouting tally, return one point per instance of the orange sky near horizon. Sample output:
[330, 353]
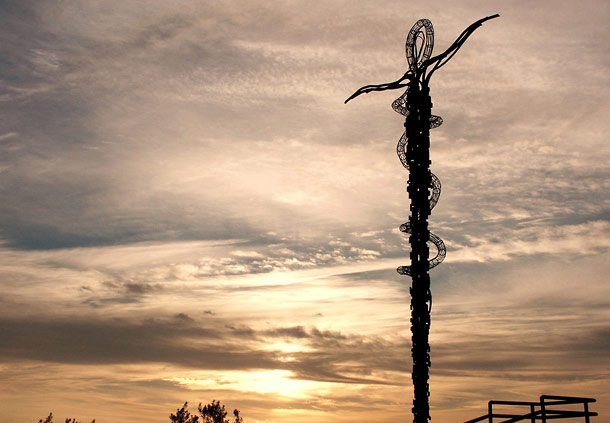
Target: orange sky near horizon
[190, 212]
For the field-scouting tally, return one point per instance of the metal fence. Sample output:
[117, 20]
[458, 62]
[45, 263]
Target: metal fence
[550, 407]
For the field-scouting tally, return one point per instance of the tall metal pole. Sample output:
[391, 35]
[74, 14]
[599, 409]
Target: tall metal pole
[424, 190]
[423, 187]
[418, 156]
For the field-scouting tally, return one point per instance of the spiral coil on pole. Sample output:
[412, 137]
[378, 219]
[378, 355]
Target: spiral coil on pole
[400, 106]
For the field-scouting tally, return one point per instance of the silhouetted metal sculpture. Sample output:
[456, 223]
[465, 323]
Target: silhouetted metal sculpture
[424, 188]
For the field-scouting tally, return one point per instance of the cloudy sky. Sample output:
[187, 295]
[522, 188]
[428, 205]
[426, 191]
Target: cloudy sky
[189, 211]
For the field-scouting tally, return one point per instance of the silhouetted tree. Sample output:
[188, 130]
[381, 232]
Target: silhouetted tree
[183, 415]
[216, 413]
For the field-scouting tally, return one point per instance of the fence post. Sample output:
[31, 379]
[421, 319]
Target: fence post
[586, 411]
[543, 409]
[490, 412]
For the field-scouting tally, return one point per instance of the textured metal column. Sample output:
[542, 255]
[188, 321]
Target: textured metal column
[424, 188]
[417, 125]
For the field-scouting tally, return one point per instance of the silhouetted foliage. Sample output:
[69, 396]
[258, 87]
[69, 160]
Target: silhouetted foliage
[49, 419]
[216, 413]
[183, 415]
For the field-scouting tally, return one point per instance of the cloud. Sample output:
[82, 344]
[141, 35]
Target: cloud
[185, 195]
[120, 342]
[145, 145]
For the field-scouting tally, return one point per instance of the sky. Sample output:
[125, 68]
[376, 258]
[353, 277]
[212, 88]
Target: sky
[189, 211]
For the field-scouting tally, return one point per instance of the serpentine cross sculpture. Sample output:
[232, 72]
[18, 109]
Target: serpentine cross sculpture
[423, 186]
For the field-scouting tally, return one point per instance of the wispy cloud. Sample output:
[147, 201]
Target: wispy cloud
[189, 210]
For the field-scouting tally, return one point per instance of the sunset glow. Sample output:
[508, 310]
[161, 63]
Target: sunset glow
[190, 213]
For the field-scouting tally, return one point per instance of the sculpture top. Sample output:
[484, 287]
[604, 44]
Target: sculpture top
[420, 42]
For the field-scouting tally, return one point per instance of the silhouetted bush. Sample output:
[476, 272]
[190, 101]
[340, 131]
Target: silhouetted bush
[210, 413]
[49, 419]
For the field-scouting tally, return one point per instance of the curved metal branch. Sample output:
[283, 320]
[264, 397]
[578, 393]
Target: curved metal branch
[421, 70]
[382, 87]
[444, 57]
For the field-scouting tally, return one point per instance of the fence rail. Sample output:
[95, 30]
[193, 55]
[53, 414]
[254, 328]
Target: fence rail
[540, 411]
